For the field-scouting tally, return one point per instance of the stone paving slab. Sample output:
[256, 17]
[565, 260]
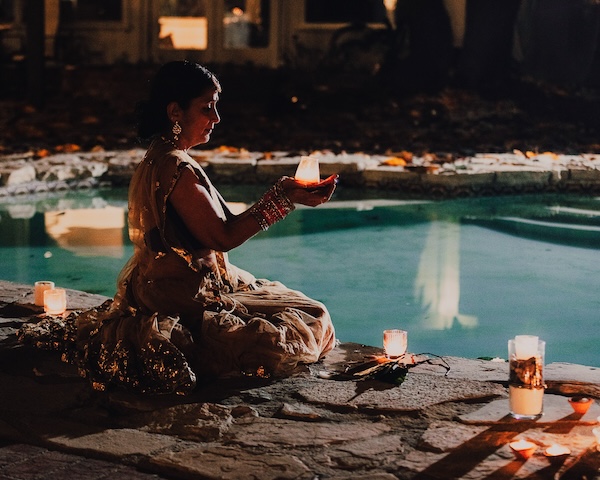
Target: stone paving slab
[271, 432]
[217, 463]
[32, 462]
[418, 392]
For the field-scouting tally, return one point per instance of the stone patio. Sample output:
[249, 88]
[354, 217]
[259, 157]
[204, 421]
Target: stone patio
[309, 426]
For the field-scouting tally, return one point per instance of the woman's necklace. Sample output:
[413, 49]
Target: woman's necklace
[168, 140]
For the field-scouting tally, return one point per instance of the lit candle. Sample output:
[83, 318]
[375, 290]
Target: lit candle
[55, 301]
[308, 170]
[394, 343]
[523, 448]
[526, 346]
[38, 291]
[526, 382]
[556, 450]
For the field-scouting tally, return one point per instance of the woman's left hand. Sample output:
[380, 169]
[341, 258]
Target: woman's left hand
[311, 194]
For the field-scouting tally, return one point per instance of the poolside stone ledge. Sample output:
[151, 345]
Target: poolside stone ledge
[481, 174]
[433, 426]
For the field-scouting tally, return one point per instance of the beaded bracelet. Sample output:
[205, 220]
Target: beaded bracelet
[273, 206]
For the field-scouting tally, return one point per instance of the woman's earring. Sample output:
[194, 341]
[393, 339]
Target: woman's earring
[176, 130]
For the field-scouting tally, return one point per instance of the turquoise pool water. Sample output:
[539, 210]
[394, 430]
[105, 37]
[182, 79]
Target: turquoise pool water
[462, 276]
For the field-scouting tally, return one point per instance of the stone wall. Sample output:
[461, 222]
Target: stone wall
[482, 174]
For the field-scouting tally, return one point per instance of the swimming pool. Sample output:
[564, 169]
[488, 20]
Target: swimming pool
[462, 276]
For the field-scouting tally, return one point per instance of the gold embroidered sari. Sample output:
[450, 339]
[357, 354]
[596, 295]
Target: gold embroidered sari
[182, 312]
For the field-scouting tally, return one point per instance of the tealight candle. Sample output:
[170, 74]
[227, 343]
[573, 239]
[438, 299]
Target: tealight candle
[394, 343]
[581, 404]
[38, 291]
[55, 301]
[523, 448]
[526, 346]
[308, 170]
[556, 450]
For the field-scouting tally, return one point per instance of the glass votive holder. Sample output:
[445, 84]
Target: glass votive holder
[526, 377]
[308, 170]
[38, 291]
[55, 301]
[395, 343]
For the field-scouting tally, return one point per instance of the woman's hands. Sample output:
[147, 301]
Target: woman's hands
[310, 195]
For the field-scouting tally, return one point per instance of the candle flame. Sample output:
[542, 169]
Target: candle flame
[522, 445]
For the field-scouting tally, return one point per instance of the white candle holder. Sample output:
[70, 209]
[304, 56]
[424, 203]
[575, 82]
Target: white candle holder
[38, 291]
[526, 377]
[308, 170]
[55, 301]
[395, 343]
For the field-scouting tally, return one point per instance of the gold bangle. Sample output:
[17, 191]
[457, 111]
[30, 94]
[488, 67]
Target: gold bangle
[272, 207]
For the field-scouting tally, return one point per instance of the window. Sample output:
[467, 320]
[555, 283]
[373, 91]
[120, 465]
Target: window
[183, 25]
[246, 23]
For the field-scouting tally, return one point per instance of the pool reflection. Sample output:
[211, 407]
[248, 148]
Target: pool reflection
[88, 231]
[437, 284]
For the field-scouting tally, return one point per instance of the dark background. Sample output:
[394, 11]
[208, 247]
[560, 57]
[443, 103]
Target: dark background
[265, 110]
[375, 91]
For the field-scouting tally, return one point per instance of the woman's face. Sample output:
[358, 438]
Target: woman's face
[198, 120]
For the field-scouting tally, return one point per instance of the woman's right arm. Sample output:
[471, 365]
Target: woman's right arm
[200, 214]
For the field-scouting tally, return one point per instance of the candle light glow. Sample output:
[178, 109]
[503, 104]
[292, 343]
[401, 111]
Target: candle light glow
[556, 450]
[523, 448]
[38, 291]
[55, 301]
[394, 342]
[308, 170]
